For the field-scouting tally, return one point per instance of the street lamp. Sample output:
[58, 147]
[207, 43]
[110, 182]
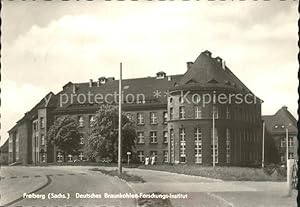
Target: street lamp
[128, 157]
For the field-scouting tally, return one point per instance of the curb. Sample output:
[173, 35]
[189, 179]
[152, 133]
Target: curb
[194, 176]
[49, 181]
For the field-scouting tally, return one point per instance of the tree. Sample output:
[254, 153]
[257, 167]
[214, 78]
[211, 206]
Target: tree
[65, 135]
[103, 138]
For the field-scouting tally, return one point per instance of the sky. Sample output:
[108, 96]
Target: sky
[46, 44]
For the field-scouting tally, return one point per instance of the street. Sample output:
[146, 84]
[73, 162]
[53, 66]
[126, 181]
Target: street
[60, 184]
[64, 180]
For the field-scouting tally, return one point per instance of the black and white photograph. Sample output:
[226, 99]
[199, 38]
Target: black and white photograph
[149, 103]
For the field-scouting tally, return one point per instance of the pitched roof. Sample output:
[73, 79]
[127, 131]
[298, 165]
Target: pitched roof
[281, 118]
[146, 86]
[206, 71]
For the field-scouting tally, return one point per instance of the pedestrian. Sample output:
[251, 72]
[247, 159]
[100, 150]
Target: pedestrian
[152, 160]
[146, 160]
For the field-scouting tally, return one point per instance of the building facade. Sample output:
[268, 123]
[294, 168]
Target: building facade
[174, 121]
[282, 129]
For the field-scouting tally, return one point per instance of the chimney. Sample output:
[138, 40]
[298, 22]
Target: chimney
[285, 108]
[189, 65]
[224, 65]
[110, 78]
[91, 83]
[208, 53]
[74, 88]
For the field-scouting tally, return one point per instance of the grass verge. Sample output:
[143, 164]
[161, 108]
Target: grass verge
[223, 173]
[154, 202]
[124, 175]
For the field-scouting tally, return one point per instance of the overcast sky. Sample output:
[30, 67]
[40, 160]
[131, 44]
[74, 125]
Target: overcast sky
[47, 44]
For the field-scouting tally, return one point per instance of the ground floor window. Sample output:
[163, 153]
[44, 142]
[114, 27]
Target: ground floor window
[59, 157]
[215, 146]
[141, 156]
[81, 156]
[166, 156]
[227, 146]
[198, 145]
[282, 158]
[291, 155]
[70, 158]
[43, 157]
[172, 145]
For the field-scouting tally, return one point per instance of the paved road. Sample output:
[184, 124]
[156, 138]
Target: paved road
[64, 180]
[201, 192]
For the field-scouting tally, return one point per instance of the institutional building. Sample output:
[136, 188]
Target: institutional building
[174, 119]
[282, 129]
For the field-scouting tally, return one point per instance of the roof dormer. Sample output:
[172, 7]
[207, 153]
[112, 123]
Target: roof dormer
[101, 80]
[160, 75]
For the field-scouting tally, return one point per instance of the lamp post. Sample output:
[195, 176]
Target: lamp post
[120, 124]
[213, 136]
[263, 146]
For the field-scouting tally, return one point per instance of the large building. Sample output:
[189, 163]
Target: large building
[281, 128]
[174, 117]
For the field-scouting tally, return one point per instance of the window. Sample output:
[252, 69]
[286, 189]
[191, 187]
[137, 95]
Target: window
[80, 121]
[81, 156]
[291, 155]
[141, 156]
[181, 112]
[17, 147]
[153, 118]
[153, 137]
[165, 138]
[42, 139]
[291, 141]
[165, 117]
[59, 157]
[154, 153]
[91, 119]
[81, 139]
[172, 145]
[216, 144]
[227, 146]
[228, 113]
[43, 157]
[182, 145]
[198, 112]
[42, 122]
[282, 142]
[70, 158]
[165, 156]
[198, 145]
[171, 113]
[140, 118]
[141, 138]
[282, 157]
[181, 100]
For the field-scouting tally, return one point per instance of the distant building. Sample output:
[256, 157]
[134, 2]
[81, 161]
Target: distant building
[278, 126]
[4, 153]
[168, 127]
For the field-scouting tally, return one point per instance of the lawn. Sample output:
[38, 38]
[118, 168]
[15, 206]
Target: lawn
[124, 175]
[223, 173]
